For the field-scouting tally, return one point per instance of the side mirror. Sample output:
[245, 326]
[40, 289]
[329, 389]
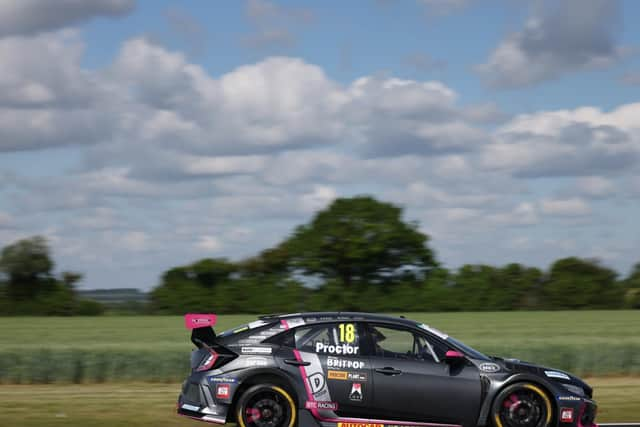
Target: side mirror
[453, 357]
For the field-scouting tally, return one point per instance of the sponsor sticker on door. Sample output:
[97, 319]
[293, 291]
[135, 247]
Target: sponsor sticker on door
[360, 425]
[337, 375]
[334, 362]
[316, 382]
[356, 392]
[347, 376]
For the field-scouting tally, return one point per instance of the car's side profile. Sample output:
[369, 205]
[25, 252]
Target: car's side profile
[367, 370]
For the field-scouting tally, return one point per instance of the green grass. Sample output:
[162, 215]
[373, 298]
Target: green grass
[123, 351]
[156, 348]
[142, 405]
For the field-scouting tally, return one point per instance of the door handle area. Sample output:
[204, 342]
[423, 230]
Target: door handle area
[294, 362]
[388, 371]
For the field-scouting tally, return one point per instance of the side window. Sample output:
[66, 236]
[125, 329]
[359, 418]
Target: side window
[332, 339]
[398, 343]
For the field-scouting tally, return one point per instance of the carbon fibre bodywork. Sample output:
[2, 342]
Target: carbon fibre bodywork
[341, 370]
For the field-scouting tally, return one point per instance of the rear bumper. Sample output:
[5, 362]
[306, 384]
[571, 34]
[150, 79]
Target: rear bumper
[196, 402]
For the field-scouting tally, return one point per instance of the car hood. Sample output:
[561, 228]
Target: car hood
[549, 374]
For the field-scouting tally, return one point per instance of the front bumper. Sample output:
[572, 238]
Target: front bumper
[577, 412]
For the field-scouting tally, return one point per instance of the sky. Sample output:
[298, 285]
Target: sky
[141, 135]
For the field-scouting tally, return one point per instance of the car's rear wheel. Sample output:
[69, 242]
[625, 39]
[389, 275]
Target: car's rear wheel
[266, 405]
[522, 405]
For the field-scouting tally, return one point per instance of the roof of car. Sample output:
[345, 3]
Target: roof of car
[339, 315]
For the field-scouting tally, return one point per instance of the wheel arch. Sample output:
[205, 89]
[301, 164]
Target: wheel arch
[485, 413]
[263, 376]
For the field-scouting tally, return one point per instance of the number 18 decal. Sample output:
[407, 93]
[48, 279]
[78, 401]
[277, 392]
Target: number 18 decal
[347, 332]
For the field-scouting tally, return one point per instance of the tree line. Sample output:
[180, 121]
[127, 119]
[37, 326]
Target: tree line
[357, 254]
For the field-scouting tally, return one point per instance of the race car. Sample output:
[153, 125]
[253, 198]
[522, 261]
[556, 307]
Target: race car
[338, 369]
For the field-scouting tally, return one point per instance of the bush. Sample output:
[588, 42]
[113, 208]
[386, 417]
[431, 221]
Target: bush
[89, 308]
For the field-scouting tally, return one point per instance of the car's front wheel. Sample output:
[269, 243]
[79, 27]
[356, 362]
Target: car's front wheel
[266, 405]
[522, 405]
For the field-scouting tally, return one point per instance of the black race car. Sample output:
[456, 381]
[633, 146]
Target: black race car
[367, 370]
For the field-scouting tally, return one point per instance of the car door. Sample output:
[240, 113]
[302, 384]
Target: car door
[412, 382]
[337, 376]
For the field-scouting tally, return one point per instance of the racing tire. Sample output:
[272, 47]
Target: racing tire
[266, 405]
[522, 405]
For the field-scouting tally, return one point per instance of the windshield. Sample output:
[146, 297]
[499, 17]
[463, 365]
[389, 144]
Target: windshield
[473, 353]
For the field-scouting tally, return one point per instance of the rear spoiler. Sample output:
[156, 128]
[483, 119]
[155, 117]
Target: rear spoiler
[201, 326]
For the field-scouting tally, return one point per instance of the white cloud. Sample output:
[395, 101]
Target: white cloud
[576, 142]
[318, 199]
[209, 243]
[394, 117]
[595, 187]
[181, 162]
[6, 220]
[34, 16]
[572, 207]
[135, 241]
[524, 214]
[559, 37]
[46, 99]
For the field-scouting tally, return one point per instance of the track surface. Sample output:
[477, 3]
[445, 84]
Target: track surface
[148, 404]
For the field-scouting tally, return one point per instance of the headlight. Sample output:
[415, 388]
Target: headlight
[574, 389]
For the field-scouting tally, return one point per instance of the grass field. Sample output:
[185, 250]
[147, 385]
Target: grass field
[103, 349]
[153, 405]
[128, 369]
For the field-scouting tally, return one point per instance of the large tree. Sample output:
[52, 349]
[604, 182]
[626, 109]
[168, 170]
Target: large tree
[27, 267]
[360, 239]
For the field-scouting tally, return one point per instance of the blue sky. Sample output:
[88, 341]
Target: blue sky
[139, 135]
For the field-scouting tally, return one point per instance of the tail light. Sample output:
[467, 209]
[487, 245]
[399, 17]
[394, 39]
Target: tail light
[207, 358]
[208, 362]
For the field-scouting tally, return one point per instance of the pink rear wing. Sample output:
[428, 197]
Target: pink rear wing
[195, 320]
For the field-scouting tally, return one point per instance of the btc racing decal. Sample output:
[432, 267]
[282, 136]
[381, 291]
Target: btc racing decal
[360, 425]
[331, 406]
[577, 399]
[356, 392]
[333, 362]
[336, 349]
[566, 415]
[489, 367]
